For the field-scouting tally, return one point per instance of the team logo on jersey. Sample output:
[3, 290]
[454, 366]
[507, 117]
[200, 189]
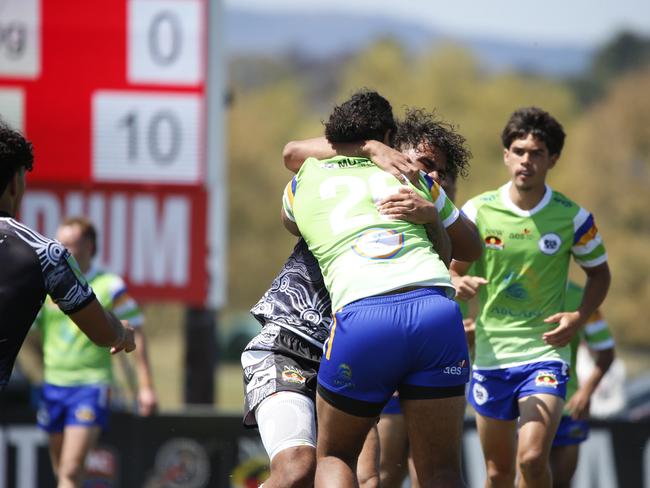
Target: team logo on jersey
[293, 375]
[546, 378]
[549, 243]
[516, 291]
[378, 244]
[344, 376]
[85, 413]
[480, 394]
[493, 242]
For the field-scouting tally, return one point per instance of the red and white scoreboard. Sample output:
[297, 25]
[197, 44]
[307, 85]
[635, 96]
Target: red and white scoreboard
[125, 115]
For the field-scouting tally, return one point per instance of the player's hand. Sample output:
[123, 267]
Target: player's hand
[470, 331]
[125, 341]
[568, 325]
[467, 286]
[393, 162]
[578, 405]
[408, 205]
[147, 402]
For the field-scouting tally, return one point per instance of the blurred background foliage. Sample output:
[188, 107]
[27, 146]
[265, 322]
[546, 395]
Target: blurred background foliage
[605, 165]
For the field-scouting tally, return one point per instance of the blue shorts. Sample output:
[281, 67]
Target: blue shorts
[495, 392]
[393, 406]
[411, 342]
[61, 406]
[571, 432]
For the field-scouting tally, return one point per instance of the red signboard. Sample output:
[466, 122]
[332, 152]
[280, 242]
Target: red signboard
[112, 95]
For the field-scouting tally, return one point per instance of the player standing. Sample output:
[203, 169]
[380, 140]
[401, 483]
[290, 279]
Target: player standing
[74, 404]
[389, 290]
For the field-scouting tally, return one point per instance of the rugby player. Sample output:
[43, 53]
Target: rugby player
[574, 428]
[295, 313]
[530, 232]
[34, 266]
[74, 404]
[393, 290]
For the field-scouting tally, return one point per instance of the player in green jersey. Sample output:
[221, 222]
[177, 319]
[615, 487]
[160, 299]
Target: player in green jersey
[364, 254]
[530, 232]
[574, 428]
[77, 373]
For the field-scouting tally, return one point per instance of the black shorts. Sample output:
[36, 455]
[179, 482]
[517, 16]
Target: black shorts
[277, 360]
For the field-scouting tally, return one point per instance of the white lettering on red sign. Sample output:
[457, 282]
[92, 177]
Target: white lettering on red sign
[12, 107]
[148, 239]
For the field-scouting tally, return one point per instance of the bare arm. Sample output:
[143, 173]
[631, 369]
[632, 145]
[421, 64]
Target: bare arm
[466, 286]
[103, 328]
[385, 157]
[598, 280]
[147, 400]
[578, 405]
[466, 243]
[440, 241]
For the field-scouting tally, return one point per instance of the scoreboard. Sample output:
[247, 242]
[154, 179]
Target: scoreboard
[125, 115]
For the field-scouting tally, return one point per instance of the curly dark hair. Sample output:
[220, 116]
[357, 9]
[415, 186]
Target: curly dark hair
[422, 127]
[365, 115]
[15, 153]
[537, 122]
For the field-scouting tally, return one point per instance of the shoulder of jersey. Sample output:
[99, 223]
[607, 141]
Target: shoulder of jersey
[485, 198]
[560, 200]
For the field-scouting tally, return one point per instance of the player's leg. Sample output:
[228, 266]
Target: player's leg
[51, 418]
[280, 370]
[393, 443]
[368, 463]
[55, 444]
[340, 439]
[78, 440]
[564, 460]
[499, 444]
[539, 418]
[287, 426]
[435, 429]
[565, 450]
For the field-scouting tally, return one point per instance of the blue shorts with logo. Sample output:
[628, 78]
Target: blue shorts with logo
[61, 406]
[495, 392]
[571, 432]
[411, 342]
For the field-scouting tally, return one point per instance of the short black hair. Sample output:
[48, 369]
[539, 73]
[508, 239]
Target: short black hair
[422, 127]
[365, 115]
[15, 153]
[538, 123]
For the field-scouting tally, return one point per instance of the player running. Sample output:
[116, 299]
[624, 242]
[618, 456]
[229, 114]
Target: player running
[530, 232]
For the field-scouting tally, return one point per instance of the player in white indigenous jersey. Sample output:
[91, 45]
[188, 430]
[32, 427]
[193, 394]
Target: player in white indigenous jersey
[389, 290]
[530, 232]
[34, 266]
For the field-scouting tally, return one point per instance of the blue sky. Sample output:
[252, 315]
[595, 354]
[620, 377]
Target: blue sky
[578, 22]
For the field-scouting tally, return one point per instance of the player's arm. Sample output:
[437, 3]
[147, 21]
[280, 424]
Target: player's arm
[126, 308]
[591, 256]
[578, 405]
[394, 162]
[466, 286]
[70, 291]
[103, 328]
[440, 241]
[466, 243]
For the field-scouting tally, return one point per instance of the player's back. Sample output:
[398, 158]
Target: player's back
[360, 252]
